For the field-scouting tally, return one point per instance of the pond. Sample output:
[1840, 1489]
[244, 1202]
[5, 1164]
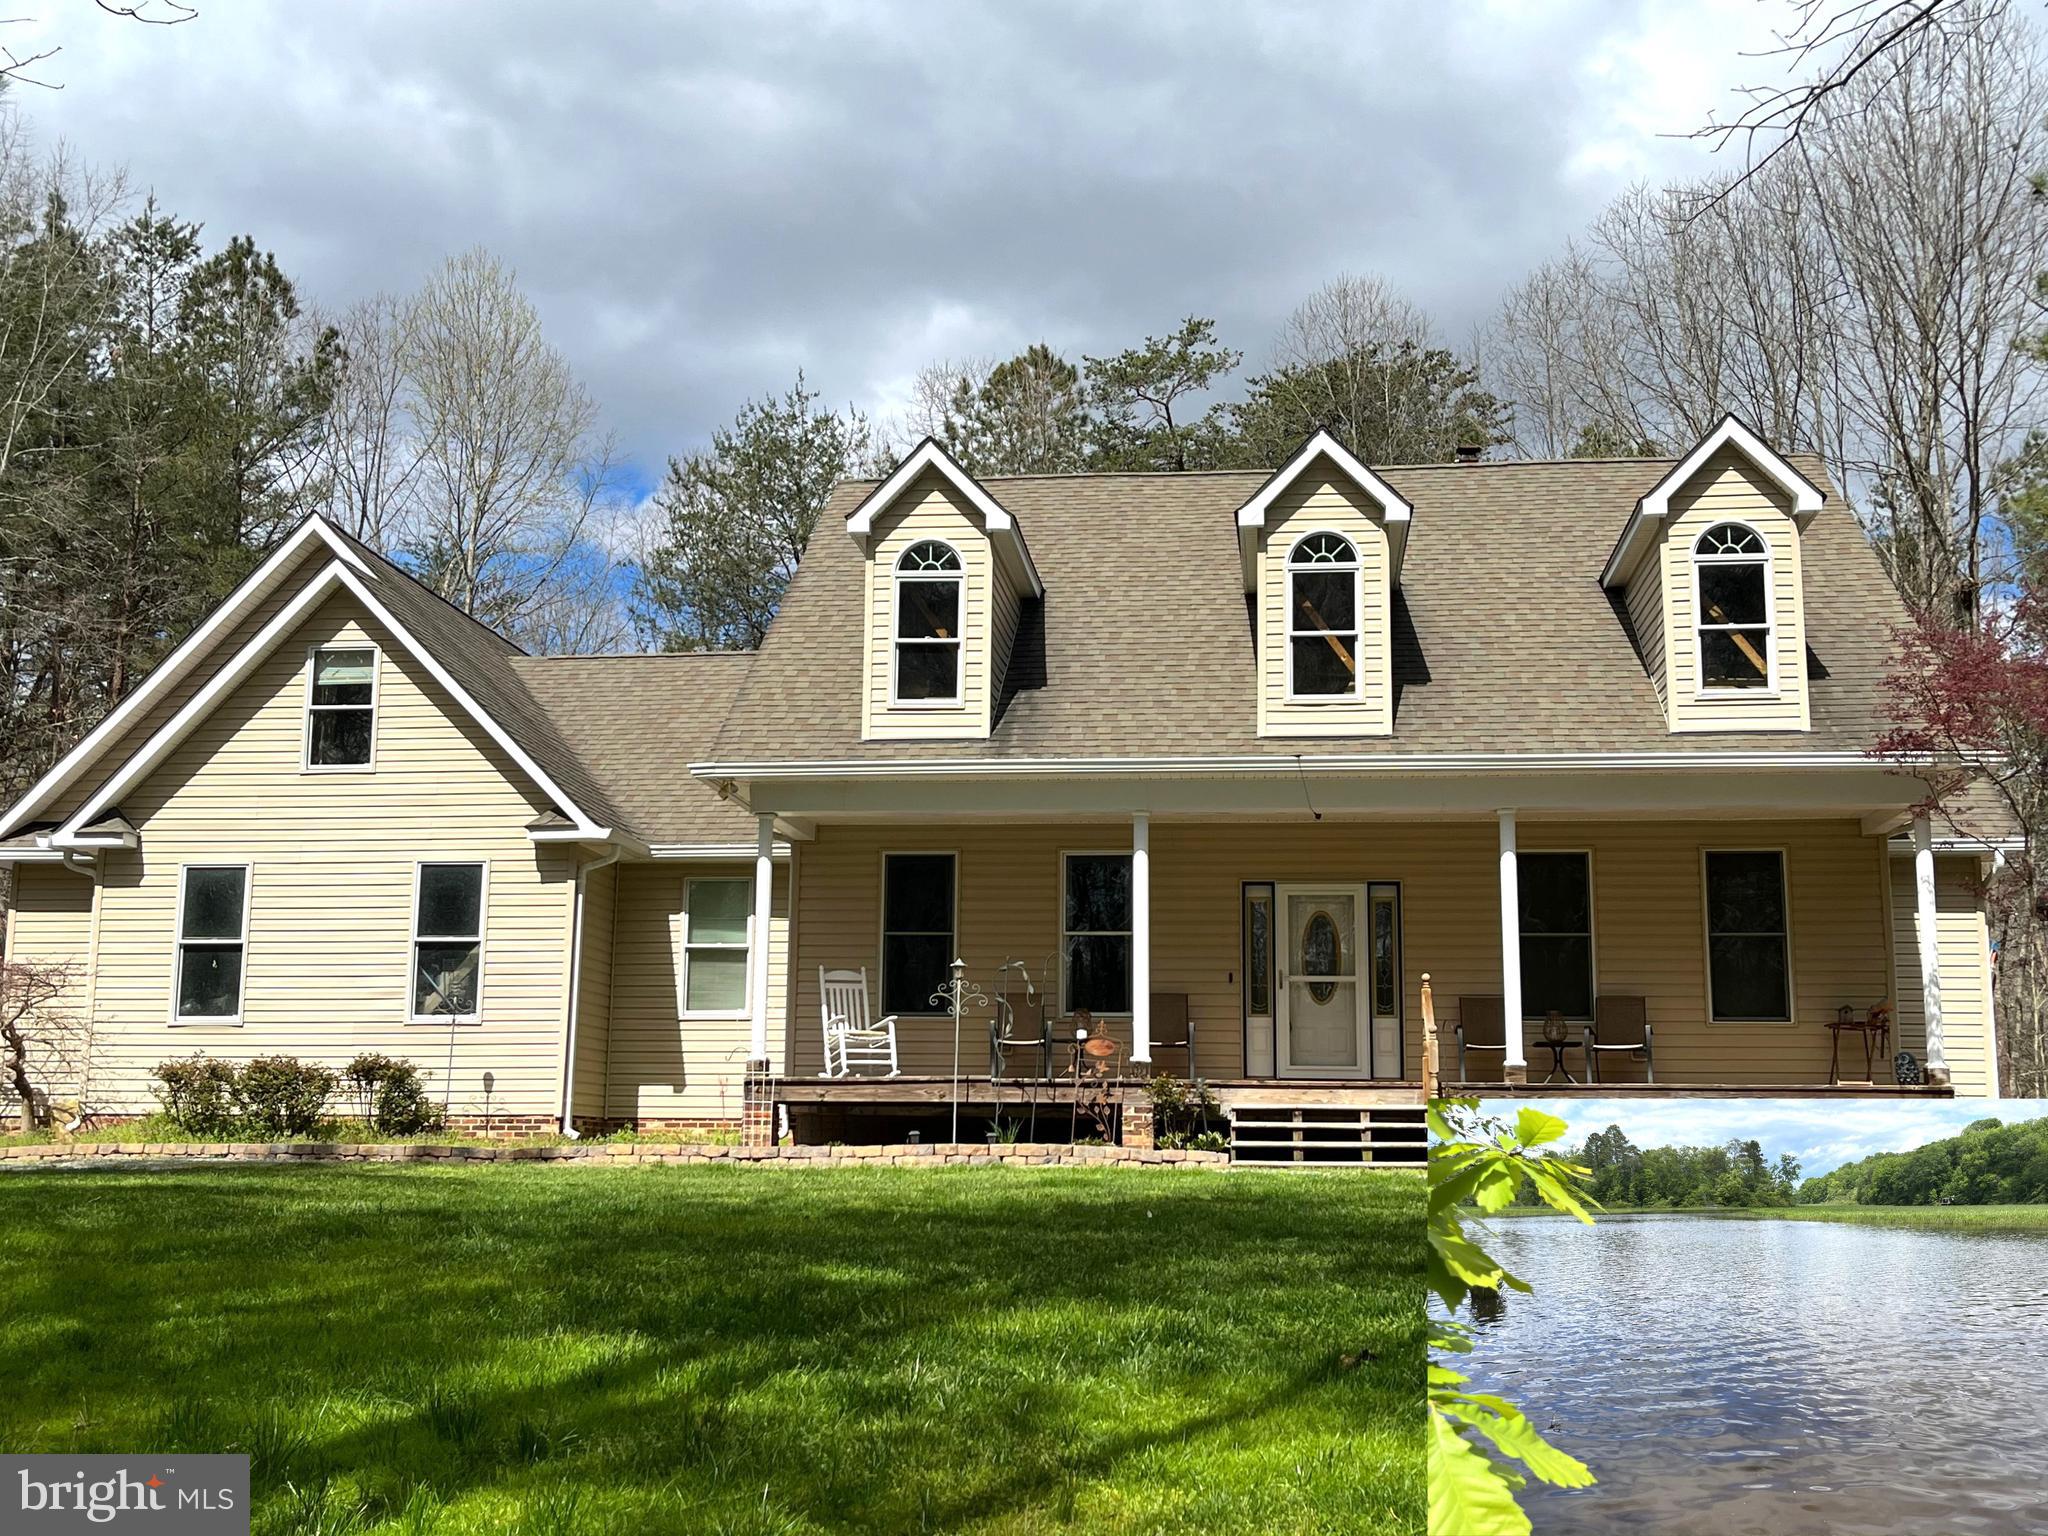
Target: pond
[1777, 1377]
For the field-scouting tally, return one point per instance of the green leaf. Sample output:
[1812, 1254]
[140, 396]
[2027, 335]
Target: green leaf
[1509, 1429]
[1467, 1495]
[1496, 1190]
[1468, 1261]
[1533, 1127]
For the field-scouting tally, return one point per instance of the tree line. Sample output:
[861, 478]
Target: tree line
[1989, 1163]
[1734, 1175]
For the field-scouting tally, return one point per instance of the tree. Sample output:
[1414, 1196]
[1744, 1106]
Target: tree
[733, 520]
[42, 1042]
[1025, 416]
[512, 474]
[370, 459]
[1144, 399]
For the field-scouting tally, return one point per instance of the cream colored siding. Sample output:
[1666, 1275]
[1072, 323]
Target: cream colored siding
[51, 924]
[1650, 924]
[1323, 499]
[1008, 610]
[1963, 953]
[930, 509]
[1729, 488]
[1646, 604]
[332, 859]
[665, 1066]
[594, 992]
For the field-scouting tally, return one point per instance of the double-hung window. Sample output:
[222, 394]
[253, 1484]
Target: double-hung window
[1322, 618]
[341, 707]
[715, 914]
[1095, 933]
[917, 929]
[213, 938]
[447, 943]
[1731, 582]
[1748, 939]
[929, 597]
[1556, 895]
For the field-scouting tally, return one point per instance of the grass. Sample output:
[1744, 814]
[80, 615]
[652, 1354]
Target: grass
[1934, 1218]
[560, 1348]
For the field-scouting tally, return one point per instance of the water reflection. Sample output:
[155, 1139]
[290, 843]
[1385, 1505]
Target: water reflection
[1779, 1378]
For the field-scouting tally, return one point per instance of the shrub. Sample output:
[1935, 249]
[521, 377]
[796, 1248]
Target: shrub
[281, 1095]
[198, 1093]
[389, 1095]
[1197, 1141]
[1181, 1112]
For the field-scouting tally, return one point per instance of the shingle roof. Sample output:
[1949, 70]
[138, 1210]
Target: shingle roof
[639, 722]
[1504, 639]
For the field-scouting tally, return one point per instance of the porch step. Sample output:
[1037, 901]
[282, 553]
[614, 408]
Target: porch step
[1327, 1135]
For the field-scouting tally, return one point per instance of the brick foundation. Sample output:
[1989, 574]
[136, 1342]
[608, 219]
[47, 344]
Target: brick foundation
[1138, 1126]
[899, 1155]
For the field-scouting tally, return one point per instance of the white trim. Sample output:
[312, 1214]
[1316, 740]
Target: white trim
[860, 523]
[723, 853]
[1395, 509]
[1655, 505]
[369, 765]
[231, 610]
[745, 946]
[925, 1011]
[1927, 921]
[413, 940]
[1065, 1001]
[1287, 765]
[178, 942]
[1702, 692]
[1289, 633]
[958, 577]
[1514, 1037]
[1707, 930]
[174, 730]
[1284, 979]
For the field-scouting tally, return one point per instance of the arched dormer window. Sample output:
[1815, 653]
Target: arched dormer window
[1323, 603]
[929, 599]
[1731, 568]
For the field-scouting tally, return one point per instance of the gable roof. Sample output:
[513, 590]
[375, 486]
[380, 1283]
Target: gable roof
[1504, 640]
[996, 521]
[1395, 509]
[1654, 505]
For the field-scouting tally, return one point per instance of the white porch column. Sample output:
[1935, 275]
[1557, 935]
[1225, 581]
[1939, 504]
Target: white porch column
[1930, 947]
[1514, 1067]
[757, 934]
[1141, 939]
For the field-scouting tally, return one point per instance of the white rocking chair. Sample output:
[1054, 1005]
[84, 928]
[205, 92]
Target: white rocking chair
[850, 1040]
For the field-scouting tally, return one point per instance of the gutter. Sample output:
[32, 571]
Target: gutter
[575, 1008]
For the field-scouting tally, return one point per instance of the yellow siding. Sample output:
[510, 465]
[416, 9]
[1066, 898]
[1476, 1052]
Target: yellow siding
[664, 1066]
[1964, 955]
[332, 860]
[51, 924]
[930, 509]
[594, 992]
[1649, 918]
[1726, 488]
[1646, 605]
[1325, 500]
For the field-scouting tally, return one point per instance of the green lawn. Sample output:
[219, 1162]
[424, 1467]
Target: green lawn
[555, 1348]
[1958, 1218]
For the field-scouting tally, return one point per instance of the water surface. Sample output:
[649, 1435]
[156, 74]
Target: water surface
[1729, 1377]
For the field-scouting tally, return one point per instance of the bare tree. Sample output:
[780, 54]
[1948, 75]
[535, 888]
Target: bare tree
[44, 1044]
[22, 68]
[370, 459]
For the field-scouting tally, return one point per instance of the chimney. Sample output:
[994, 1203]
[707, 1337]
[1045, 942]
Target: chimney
[1471, 453]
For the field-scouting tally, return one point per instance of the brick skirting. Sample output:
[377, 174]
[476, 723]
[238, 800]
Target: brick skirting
[942, 1154]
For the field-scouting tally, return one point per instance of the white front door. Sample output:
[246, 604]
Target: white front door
[1322, 1024]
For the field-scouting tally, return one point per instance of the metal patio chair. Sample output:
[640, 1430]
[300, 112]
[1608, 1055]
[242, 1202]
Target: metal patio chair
[1620, 1023]
[1173, 1027]
[1019, 1028]
[851, 1041]
[1482, 1027]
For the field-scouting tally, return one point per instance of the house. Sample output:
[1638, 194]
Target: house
[1249, 752]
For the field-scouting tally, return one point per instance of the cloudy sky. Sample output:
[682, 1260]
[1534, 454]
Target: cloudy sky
[1822, 1133]
[703, 198]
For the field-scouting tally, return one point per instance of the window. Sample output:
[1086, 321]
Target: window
[928, 603]
[917, 929]
[341, 707]
[1322, 618]
[1556, 891]
[1731, 586]
[715, 945]
[447, 941]
[213, 935]
[1095, 935]
[1258, 951]
[1748, 969]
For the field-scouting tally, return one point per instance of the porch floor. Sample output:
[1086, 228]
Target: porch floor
[1561, 1090]
[922, 1091]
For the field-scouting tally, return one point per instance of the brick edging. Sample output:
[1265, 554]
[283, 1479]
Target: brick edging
[942, 1154]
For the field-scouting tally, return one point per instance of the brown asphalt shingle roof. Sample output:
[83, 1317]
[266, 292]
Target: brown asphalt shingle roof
[1504, 640]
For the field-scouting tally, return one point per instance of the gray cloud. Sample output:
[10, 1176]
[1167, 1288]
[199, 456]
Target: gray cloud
[701, 198]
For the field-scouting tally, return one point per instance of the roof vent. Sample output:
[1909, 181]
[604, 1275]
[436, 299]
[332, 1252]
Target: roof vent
[1471, 453]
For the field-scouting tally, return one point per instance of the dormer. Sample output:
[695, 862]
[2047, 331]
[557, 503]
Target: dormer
[947, 575]
[1322, 544]
[1709, 568]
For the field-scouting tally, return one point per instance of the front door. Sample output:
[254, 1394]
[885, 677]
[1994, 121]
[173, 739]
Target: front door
[1322, 1024]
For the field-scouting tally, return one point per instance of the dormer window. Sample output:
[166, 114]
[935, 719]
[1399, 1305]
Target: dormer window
[1323, 604]
[1732, 589]
[929, 596]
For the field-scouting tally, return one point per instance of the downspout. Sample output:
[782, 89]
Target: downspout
[583, 873]
[92, 870]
